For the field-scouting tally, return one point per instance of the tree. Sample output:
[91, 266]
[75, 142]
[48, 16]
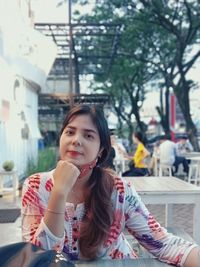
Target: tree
[160, 34]
[179, 21]
[126, 86]
[126, 78]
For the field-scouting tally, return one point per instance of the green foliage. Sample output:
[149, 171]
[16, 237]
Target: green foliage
[154, 44]
[46, 161]
[8, 165]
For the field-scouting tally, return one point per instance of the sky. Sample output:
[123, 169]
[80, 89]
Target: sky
[47, 10]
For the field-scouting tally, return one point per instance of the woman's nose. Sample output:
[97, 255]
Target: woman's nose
[77, 140]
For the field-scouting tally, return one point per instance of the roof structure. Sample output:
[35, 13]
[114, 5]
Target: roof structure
[84, 57]
[54, 107]
[77, 55]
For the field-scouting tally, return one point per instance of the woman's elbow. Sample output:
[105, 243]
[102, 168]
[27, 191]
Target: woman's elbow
[193, 259]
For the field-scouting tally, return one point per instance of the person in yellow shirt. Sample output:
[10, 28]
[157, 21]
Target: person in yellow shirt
[137, 165]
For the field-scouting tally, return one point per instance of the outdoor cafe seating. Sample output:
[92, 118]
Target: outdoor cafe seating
[5, 178]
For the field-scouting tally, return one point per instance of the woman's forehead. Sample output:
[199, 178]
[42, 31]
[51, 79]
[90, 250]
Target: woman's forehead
[84, 120]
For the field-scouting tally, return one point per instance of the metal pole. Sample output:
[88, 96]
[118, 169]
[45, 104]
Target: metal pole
[70, 49]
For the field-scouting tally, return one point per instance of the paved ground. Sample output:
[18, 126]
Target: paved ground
[10, 232]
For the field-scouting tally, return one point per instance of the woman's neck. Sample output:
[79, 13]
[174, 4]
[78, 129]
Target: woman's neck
[79, 191]
[82, 181]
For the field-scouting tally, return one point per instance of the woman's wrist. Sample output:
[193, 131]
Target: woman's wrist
[60, 192]
[55, 211]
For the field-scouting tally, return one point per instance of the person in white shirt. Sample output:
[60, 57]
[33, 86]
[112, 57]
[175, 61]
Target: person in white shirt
[168, 154]
[184, 145]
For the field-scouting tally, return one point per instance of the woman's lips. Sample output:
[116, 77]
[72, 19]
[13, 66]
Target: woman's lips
[74, 154]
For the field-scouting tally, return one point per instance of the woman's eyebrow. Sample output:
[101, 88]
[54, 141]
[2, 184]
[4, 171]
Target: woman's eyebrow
[70, 127]
[84, 129]
[90, 130]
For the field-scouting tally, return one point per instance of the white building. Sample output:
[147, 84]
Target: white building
[26, 57]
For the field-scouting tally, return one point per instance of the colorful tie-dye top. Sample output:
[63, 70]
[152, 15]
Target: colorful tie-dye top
[129, 214]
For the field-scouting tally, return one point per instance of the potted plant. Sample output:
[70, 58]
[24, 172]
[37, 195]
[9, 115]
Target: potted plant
[8, 165]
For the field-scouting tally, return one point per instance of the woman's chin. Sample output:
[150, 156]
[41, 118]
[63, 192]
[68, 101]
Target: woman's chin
[73, 161]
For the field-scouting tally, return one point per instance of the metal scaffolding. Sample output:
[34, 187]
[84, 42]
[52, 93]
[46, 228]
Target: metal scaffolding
[77, 55]
[82, 57]
[53, 107]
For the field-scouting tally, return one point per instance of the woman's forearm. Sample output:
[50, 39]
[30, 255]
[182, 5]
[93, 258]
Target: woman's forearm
[65, 176]
[55, 214]
[193, 259]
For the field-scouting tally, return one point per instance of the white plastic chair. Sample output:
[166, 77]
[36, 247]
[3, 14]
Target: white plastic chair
[165, 169]
[193, 173]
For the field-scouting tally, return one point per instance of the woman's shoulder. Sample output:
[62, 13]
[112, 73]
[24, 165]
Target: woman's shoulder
[120, 185]
[38, 179]
[112, 174]
[141, 145]
[123, 194]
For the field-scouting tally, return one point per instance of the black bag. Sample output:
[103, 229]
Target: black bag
[25, 254]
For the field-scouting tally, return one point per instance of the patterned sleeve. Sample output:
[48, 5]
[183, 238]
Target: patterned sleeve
[142, 225]
[34, 204]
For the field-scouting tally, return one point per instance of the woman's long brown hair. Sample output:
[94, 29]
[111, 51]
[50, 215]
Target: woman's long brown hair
[98, 217]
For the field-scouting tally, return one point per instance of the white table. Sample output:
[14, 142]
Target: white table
[169, 191]
[190, 155]
[122, 263]
[14, 177]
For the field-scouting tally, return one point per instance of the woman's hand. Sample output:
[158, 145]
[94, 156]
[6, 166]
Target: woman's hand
[65, 176]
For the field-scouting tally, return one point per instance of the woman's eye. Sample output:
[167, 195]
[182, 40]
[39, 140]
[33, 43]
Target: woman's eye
[89, 136]
[69, 132]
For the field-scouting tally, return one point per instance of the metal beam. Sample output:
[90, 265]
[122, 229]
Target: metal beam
[69, 36]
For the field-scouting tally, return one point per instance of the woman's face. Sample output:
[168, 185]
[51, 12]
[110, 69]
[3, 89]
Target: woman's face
[80, 141]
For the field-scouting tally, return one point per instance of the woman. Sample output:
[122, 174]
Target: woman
[82, 209]
[137, 165]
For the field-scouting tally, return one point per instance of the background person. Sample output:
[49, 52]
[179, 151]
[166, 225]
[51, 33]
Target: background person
[82, 209]
[168, 155]
[137, 166]
[184, 145]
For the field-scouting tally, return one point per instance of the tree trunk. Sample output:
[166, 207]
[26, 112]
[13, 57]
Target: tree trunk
[182, 95]
[140, 125]
[164, 116]
[167, 123]
[130, 126]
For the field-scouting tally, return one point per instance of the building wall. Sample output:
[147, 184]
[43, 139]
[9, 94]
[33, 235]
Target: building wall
[26, 56]
[18, 121]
